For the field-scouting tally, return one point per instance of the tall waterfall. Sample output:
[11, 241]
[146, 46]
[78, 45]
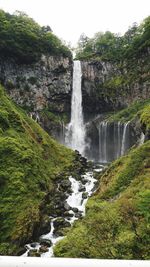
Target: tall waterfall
[75, 134]
[114, 140]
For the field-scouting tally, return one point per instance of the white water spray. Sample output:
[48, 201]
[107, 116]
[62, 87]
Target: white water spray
[75, 135]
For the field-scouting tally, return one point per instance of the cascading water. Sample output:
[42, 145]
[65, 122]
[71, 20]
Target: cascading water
[75, 134]
[114, 140]
[124, 138]
[76, 203]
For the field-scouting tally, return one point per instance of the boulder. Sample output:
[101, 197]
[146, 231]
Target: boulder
[43, 249]
[75, 209]
[84, 195]
[66, 206]
[45, 242]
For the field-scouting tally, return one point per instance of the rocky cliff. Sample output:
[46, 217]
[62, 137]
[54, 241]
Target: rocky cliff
[108, 86]
[42, 88]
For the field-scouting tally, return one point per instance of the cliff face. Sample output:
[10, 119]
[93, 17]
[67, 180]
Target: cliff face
[43, 88]
[108, 86]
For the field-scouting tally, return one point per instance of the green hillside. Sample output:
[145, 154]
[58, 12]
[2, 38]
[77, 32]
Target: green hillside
[29, 163]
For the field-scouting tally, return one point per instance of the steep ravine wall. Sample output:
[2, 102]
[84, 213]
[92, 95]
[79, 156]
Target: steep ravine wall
[43, 89]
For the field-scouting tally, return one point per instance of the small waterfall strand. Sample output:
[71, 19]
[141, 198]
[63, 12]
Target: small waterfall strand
[113, 140]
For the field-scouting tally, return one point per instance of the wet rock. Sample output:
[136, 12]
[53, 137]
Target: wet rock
[84, 195]
[68, 214]
[78, 215]
[45, 242]
[84, 181]
[82, 188]
[66, 206]
[33, 245]
[43, 249]
[75, 209]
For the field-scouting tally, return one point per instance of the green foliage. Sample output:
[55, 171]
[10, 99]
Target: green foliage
[128, 114]
[24, 40]
[145, 116]
[116, 225]
[110, 46]
[29, 163]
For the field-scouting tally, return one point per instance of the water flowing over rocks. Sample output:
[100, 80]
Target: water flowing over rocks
[71, 209]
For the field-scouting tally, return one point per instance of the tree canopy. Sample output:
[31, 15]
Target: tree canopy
[110, 46]
[23, 39]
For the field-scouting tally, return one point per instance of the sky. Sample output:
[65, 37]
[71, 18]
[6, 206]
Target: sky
[70, 18]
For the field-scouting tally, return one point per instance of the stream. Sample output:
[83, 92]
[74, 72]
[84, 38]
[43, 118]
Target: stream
[76, 201]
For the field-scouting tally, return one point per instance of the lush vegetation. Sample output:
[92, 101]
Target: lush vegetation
[116, 225]
[24, 40]
[110, 46]
[29, 162]
[137, 108]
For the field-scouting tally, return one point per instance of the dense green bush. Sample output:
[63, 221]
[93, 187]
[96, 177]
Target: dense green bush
[24, 40]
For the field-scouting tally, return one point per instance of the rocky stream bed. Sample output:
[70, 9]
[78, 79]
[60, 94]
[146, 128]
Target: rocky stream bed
[75, 193]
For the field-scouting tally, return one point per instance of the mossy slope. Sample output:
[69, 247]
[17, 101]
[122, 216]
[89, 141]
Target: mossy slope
[116, 225]
[29, 163]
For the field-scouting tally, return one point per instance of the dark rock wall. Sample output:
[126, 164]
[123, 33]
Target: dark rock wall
[43, 88]
[105, 90]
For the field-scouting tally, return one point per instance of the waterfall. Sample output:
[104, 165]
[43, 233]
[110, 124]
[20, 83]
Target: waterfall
[124, 138]
[75, 134]
[114, 140]
[103, 141]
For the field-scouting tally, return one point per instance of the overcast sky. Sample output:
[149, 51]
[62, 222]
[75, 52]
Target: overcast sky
[70, 18]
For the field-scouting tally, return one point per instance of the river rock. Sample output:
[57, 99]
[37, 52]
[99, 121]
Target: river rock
[43, 249]
[82, 188]
[75, 209]
[84, 195]
[78, 215]
[45, 242]
[33, 245]
[68, 214]
[66, 206]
